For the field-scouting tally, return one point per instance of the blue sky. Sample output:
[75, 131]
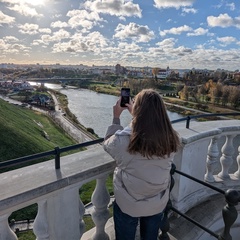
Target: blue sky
[156, 33]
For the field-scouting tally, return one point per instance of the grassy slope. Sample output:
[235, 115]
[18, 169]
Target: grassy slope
[21, 135]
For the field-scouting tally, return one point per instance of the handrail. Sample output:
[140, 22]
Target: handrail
[232, 196]
[229, 211]
[57, 151]
[188, 118]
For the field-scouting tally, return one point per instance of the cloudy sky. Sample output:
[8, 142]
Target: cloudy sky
[156, 33]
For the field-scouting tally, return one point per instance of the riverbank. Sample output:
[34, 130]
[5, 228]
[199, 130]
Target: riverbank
[174, 104]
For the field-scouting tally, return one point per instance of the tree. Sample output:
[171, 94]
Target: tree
[155, 72]
[217, 93]
[234, 96]
[194, 92]
[225, 95]
[202, 91]
[184, 94]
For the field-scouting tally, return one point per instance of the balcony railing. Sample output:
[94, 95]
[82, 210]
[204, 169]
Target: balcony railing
[54, 186]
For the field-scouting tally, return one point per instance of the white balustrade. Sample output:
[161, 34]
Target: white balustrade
[40, 226]
[199, 157]
[81, 222]
[213, 153]
[237, 173]
[60, 210]
[226, 158]
[100, 213]
[5, 231]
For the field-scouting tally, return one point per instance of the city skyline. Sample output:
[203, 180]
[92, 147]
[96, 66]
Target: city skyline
[157, 33]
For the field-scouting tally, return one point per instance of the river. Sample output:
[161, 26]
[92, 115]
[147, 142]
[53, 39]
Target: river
[94, 110]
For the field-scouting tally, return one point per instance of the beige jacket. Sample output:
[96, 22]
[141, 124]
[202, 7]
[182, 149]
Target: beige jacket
[141, 186]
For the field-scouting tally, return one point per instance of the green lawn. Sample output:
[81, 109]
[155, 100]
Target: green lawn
[22, 132]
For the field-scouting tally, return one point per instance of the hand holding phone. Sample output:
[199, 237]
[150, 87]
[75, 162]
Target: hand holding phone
[125, 96]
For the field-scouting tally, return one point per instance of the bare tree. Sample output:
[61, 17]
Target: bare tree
[184, 94]
[202, 91]
[234, 96]
[225, 95]
[217, 93]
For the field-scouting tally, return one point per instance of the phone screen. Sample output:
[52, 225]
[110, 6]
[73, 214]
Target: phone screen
[125, 96]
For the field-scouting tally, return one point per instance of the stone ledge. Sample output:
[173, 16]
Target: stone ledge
[25, 185]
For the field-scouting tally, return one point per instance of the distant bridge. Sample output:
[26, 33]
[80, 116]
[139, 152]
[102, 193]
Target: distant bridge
[54, 80]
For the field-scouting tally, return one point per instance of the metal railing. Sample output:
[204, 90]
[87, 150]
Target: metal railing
[188, 118]
[57, 151]
[232, 196]
[229, 211]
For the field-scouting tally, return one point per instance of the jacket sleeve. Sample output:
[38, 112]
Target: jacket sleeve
[113, 128]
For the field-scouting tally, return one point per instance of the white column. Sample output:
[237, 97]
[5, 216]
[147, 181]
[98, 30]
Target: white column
[226, 158]
[100, 214]
[237, 173]
[6, 232]
[213, 153]
[40, 225]
[65, 214]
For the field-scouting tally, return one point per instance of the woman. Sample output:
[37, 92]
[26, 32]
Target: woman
[143, 152]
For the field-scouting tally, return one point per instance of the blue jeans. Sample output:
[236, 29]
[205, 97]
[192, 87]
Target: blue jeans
[125, 225]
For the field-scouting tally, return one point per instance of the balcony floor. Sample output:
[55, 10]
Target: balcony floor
[110, 231]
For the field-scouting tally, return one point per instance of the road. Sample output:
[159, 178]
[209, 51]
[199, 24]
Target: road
[74, 131]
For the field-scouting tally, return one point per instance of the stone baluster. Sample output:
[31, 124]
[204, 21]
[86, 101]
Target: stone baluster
[40, 225]
[5, 231]
[229, 213]
[65, 214]
[237, 173]
[226, 158]
[81, 214]
[100, 214]
[212, 155]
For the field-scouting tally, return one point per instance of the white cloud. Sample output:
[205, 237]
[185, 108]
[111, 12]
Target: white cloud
[12, 48]
[198, 32]
[6, 19]
[10, 39]
[189, 10]
[114, 7]
[176, 30]
[227, 40]
[129, 47]
[231, 6]
[167, 43]
[173, 3]
[37, 42]
[57, 36]
[28, 28]
[83, 18]
[93, 42]
[139, 33]
[45, 30]
[25, 10]
[61, 34]
[59, 24]
[29, 2]
[223, 20]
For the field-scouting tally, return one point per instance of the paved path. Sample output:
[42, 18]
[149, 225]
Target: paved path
[73, 130]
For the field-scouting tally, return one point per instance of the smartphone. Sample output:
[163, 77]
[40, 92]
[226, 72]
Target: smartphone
[125, 96]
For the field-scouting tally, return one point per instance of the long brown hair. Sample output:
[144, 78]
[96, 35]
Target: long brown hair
[152, 132]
